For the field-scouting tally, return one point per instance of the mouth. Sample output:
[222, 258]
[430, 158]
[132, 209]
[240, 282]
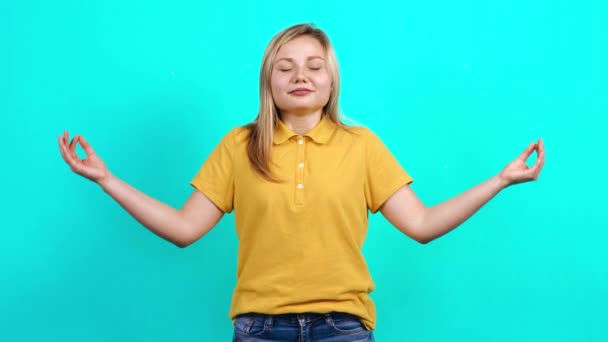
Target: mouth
[300, 92]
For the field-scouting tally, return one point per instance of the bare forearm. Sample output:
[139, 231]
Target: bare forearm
[163, 220]
[443, 217]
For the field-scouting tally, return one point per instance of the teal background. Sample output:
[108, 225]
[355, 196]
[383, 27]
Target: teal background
[455, 89]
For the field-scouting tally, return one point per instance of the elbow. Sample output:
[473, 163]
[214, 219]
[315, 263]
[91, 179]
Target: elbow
[184, 240]
[419, 231]
[422, 228]
[423, 241]
[181, 245]
[421, 235]
[414, 235]
[423, 238]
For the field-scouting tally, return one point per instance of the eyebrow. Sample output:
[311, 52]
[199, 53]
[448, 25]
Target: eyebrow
[291, 59]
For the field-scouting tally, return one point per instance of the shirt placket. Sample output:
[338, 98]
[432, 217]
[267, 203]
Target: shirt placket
[300, 184]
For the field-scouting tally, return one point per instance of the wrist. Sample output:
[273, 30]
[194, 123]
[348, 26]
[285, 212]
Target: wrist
[105, 182]
[501, 181]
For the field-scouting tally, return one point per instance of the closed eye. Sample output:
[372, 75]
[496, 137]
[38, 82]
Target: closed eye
[290, 69]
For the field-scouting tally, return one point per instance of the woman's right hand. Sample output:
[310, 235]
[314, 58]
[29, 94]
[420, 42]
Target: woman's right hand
[91, 167]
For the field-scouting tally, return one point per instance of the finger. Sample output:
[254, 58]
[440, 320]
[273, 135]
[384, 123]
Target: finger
[60, 140]
[67, 144]
[73, 146]
[526, 153]
[537, 173]
[73, 142]
[531, 172]
[542, 163]
[86, 146]
[535, 170]
[63, 151]
[72, 161]
[541, 156]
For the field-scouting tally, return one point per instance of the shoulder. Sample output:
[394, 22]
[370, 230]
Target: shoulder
[359, 133]
[235, 136]
[240, 133]
[370, 140]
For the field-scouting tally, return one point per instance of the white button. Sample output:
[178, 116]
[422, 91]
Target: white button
[300, 186]
[300, 141]
[301, 165]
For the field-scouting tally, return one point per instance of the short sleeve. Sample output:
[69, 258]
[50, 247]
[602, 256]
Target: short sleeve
[215, 178]
[383, 175]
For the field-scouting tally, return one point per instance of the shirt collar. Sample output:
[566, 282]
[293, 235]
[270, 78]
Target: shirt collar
[320, 133]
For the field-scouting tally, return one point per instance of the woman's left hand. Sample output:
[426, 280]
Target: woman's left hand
[518, 172]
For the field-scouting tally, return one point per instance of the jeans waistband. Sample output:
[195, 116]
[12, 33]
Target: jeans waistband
[302, 316]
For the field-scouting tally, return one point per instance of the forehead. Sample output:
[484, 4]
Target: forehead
[301, 48]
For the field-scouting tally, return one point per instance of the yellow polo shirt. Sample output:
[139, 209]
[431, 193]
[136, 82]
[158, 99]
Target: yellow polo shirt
[300, 241]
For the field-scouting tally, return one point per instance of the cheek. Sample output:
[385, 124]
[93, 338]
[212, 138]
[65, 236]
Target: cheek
[278, 83]
[324, 85]
[323, 81]
[278, 88]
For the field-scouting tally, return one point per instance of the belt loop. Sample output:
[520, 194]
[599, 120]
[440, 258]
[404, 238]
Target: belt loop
[328, 318]
[268, 323]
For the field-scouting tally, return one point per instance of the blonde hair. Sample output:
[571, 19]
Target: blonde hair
[261, 130]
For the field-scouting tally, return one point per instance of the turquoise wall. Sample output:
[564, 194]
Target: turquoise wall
[455, 89]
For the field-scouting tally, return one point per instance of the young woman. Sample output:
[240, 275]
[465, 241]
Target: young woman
[300, 182]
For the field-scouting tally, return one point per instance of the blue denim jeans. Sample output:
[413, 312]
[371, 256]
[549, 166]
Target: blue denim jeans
[300, 327]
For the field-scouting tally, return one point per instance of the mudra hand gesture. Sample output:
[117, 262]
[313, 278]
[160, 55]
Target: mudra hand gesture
[91, 167]
[518, 172]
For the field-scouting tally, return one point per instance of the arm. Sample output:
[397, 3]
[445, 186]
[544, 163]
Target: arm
[426, 224]
[405, 211]
[181, 227]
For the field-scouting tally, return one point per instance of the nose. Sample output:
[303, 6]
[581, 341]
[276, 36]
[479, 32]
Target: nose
[300, 75]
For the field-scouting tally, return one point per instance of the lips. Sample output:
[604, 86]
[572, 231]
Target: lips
[300, 91]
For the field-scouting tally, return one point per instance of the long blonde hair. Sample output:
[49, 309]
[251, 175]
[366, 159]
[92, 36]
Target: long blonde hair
[261, 130]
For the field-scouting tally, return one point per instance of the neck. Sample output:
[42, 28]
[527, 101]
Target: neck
[301, 123]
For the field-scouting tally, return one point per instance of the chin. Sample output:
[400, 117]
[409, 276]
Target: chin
[298, 109]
